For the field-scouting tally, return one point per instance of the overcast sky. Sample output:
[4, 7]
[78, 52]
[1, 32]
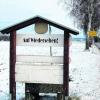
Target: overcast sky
[12, 11]
[15, 11]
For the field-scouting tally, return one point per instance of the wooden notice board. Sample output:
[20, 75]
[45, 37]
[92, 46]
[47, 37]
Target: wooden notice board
[28, 68]
[36, 68]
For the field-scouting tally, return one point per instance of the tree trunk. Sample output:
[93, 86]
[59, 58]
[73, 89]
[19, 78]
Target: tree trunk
[90, 8]
[87, 42]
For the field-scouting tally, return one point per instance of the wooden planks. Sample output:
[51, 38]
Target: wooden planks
[40, 59]
[31, 73]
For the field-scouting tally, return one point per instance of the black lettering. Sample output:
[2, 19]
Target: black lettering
[31, 39]
[34, 40]
[57, 40]
[24, 40]
[49, 40]
[39, 40]
[52, 40]
[43, 40]
[46, 40]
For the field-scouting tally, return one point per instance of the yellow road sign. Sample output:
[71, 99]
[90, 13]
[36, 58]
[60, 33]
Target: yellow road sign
[92, 33]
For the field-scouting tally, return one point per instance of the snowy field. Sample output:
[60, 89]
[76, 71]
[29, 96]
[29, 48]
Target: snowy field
[84, 72]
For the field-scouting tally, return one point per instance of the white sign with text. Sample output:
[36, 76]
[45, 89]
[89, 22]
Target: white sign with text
[39, 68]
[39, 39]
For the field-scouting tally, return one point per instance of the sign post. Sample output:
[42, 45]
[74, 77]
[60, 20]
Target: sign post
[66, 64]
[41, 74]
[12, 65]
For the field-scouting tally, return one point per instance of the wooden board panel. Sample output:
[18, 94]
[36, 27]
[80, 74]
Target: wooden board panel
[39, 40]
[30, 73]
[40, 59]
[42, 51]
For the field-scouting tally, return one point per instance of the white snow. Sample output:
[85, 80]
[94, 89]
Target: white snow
[84, 71]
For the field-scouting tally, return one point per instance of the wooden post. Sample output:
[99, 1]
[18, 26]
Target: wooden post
[12, 65]
[66, 64]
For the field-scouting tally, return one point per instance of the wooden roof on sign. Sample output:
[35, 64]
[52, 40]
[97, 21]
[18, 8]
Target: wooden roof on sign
[34, 20]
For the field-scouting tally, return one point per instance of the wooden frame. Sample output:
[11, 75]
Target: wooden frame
[66, 64]
[12, 30]
[12, 65]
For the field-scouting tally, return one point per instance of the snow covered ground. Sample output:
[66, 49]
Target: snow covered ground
[84, 71]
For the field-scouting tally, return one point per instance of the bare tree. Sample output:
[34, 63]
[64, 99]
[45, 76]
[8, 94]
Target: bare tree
[87, 14]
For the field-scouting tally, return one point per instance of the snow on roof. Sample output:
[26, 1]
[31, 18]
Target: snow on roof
[34, 20]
